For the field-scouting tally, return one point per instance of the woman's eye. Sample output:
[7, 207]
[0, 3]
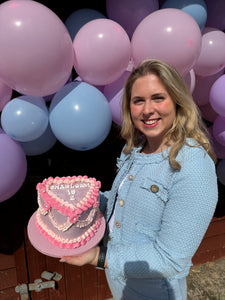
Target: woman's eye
[138, 101]
[158, 99]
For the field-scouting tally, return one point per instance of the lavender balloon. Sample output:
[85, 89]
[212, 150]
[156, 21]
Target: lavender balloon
[216, 96]
[202, 87]
[219, 130]
[114, 94]
[218, 148]
[215, 14]
[13, 167]
[122, 11]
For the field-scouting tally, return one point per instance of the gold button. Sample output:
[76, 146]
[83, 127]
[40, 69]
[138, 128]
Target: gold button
[154, 188]
[121, 202]
[118, 224]
[130, 177]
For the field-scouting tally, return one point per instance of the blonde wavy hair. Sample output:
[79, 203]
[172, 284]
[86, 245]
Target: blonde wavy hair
[188, 122]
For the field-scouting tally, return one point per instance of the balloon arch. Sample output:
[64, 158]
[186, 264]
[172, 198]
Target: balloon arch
[68, 75]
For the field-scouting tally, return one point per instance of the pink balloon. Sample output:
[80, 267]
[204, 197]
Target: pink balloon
[5, 94]
[189, 79]
[203, 86]
[102, 51]
[13, 167]
[219, 130]
[122, 11]
[170, 35]
[208, 113]
[36, 56]
[212, 56]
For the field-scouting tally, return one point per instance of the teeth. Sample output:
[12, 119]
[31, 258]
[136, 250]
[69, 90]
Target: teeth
[150, 122]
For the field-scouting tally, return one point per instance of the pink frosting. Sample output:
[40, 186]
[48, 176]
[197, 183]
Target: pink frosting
[56, 240]
[72, 210]
[52, 200]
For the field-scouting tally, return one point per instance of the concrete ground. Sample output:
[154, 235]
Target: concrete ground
[207, 281]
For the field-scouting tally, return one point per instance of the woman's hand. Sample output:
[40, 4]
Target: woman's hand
[89, 257]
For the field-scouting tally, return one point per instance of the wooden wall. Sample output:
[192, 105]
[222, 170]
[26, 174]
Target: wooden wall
[26, 264]
[21, 263]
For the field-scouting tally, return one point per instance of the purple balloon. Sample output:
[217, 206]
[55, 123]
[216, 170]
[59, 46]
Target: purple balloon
[218, 148]
[216, 96]
[13, 167]
[215, 14]
[114, 93]
[122, 11]
[208, 113]
[203, 86]
[116, 108]
[219, 130]
[110, 90]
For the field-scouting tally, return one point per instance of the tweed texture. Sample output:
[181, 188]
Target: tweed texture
[161, 215]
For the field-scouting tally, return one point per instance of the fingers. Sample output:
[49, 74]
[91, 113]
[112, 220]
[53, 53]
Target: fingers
[89, 257]
[73, 260]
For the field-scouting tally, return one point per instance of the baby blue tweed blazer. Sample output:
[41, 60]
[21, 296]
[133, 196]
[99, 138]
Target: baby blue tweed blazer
[161, 216]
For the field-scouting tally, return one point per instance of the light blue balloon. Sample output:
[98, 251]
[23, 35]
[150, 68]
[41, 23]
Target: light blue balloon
[79, 18]
[80, 116]
[196, 8]
[25, 118]
[41, 145]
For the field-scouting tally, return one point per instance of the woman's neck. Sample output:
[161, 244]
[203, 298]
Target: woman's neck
[150, 148]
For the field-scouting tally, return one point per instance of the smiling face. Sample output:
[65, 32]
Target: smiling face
[152, 111]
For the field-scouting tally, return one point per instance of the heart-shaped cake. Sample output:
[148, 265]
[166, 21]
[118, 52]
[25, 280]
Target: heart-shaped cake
[68, 215]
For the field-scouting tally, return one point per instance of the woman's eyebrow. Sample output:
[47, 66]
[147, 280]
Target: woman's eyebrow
[136, 97]
[158, 94]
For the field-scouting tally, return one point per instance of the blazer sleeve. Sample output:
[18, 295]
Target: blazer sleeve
[193, 196]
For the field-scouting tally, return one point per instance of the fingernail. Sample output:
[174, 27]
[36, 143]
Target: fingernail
[62, 260]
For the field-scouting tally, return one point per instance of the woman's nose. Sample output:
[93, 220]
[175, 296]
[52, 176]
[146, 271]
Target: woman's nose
[148, 108]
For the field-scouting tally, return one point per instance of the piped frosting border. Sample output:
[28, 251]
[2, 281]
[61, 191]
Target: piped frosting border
[72, 211]
[67, 243]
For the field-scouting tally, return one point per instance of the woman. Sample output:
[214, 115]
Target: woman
[165, 193]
